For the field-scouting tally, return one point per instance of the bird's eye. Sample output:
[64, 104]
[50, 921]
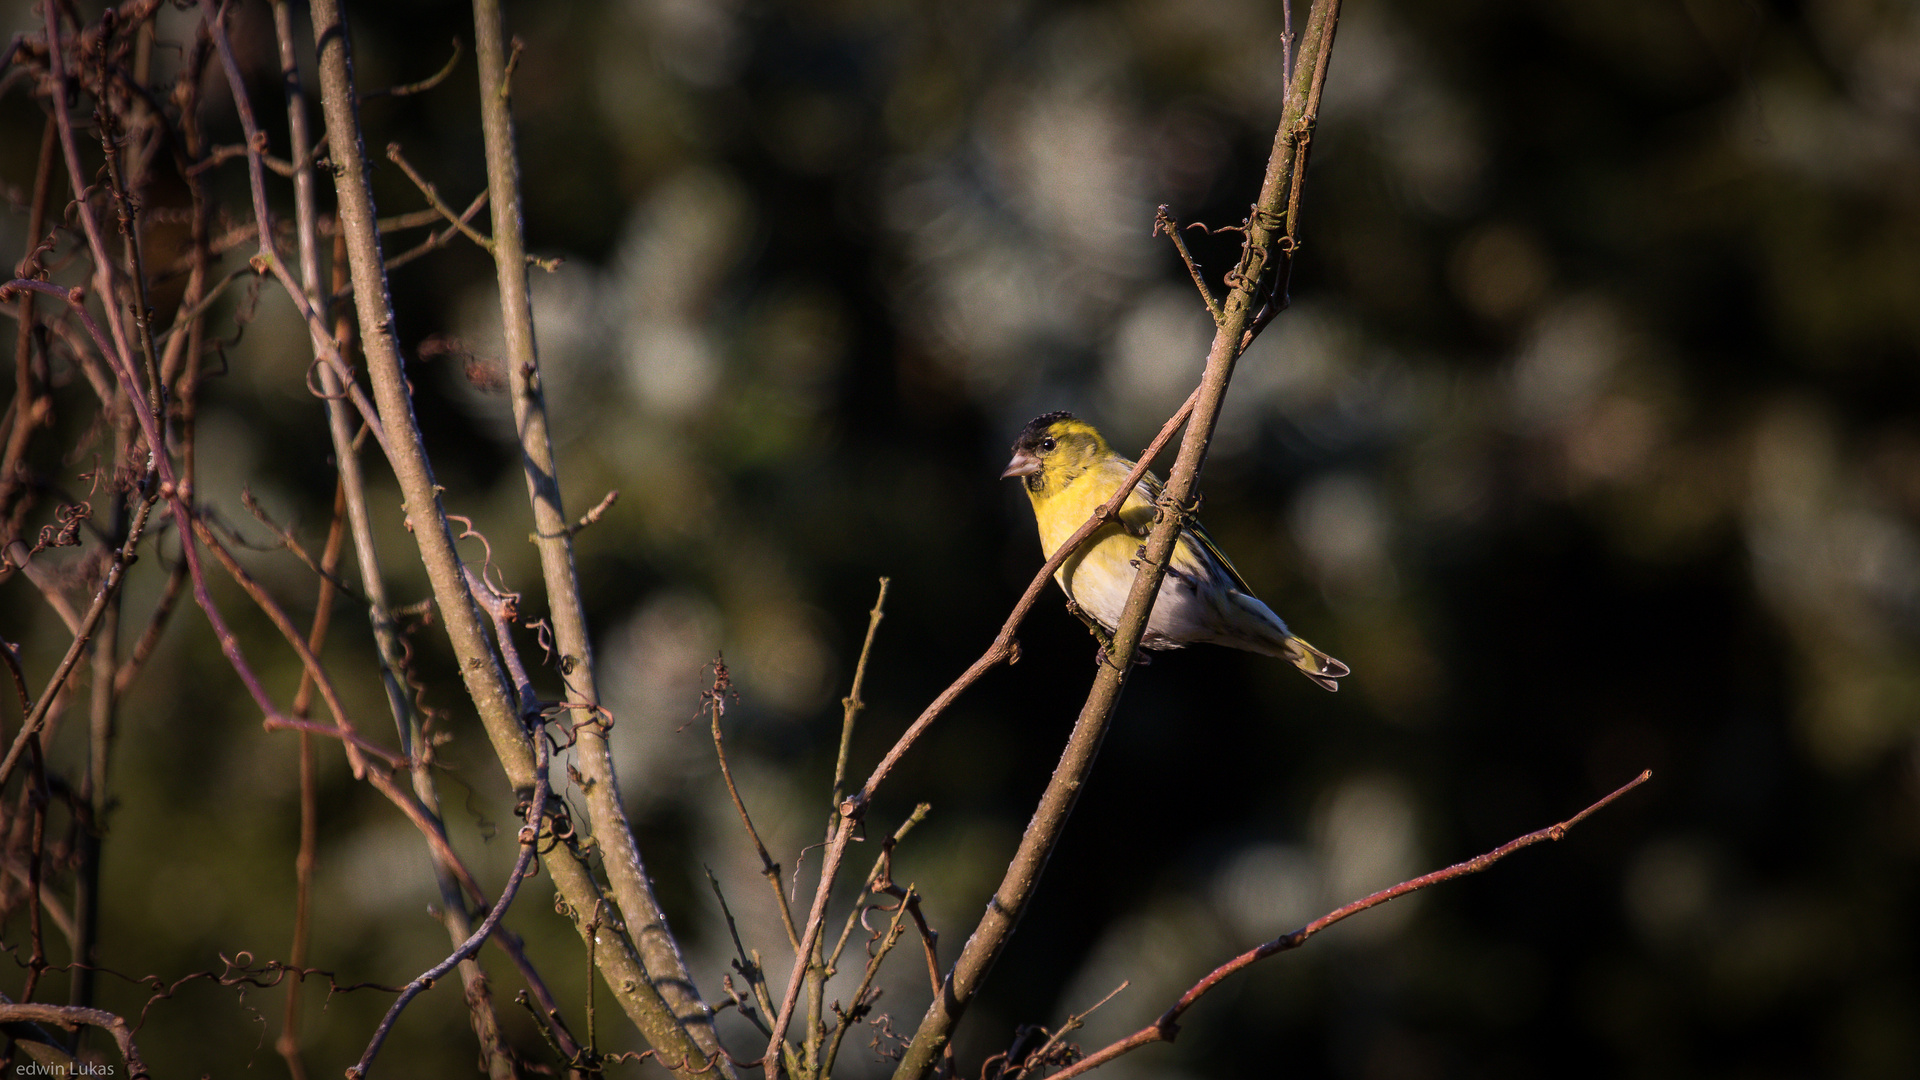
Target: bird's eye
[1047, 443]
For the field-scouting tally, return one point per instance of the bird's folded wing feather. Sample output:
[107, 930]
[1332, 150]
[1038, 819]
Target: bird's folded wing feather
[1137, 517]
[1200, 534]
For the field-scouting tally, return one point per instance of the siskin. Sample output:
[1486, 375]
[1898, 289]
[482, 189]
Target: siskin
[1069, 470]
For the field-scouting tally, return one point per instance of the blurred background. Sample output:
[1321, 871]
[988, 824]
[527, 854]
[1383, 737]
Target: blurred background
[1591, 443]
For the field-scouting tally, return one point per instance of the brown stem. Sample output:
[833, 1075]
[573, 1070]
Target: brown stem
[850, 707]
[1167, 1027]
[716, 707]
[529, 845]
[29, 409]
[309, 658]
[1163, 222]
[453, 910]
[288, 1044]
[269, 260]
[478, 667]
[433, 198]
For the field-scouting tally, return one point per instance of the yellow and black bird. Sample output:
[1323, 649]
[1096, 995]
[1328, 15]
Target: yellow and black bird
[1069, 470]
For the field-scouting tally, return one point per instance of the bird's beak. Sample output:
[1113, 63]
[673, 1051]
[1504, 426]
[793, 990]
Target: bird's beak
[1023, 464]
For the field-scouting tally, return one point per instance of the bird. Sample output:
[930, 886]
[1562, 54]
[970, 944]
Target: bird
[1069, 471]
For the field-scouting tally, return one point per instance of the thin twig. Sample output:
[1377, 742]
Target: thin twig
[750, 969]
[593, 516]
[1164, 222]
[1167, 1027]
[30, 408]
[716, 701]
[432, 243]
[529, 843]
[109, 584]
[268, 259]
[881, 871]
[421, 87]
[309, 660]
[433, 197]
[850, 706]
[1073, 1023]
[288, 1042]
[860, 1003]
[149, 639]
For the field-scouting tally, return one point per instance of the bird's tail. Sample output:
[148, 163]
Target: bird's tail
[1313, 663]
[1276, 640]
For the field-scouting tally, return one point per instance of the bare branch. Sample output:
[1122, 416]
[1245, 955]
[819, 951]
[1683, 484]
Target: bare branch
[421, 87]
[1285, 165]
[716, 703]
[71, 1017]
[1167, 1027]
[268, 259]
[1163, 222]
[683, 1029]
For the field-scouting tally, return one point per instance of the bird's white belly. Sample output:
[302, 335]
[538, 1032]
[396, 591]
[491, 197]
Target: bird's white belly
[1100, 581]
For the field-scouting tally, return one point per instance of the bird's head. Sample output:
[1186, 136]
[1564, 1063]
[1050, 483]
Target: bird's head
[1053, 449]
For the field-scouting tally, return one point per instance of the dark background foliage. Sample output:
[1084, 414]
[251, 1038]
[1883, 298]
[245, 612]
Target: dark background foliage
[1590, 443]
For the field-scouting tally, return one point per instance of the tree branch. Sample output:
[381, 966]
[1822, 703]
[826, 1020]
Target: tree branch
[996, 926]
[1167, 1027]
[486, 685]
[627, 879]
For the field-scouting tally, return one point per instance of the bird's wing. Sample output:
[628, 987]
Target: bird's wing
[1137, 516]
[1199, 534]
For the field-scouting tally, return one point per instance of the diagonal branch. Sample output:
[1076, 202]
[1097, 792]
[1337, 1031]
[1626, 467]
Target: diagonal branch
[1167, 1027]
[1285, 166]
[1163, 223]
[529, 844]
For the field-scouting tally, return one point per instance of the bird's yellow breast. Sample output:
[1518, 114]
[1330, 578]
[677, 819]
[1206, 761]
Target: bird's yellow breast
[1063, 505]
